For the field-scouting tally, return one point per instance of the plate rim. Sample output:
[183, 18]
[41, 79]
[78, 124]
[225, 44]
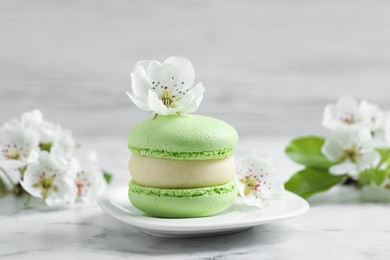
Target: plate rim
[104, 202]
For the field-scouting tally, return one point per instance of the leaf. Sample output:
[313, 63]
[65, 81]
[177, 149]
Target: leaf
[311, 181]
[107, 176]
[375, 175]
[45, 146]
[385, 155]
[307, 151]
[3, 189]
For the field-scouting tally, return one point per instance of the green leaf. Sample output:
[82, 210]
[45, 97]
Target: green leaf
[107, 176]
[3, 189]
[45, 146]
[385, 155]
[375, 175]
[311, 181]
[307, 151]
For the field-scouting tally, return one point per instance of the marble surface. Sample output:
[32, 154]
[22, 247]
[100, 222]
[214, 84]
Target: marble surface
[337, 226]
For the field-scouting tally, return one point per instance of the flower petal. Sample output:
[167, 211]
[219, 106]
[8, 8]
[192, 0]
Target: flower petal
[157, 106]
[197, 93]
[372, 116]
[140, 81]
[139, 102]
[346, 167]
[185, 72]
[344, 112]
[161, 73]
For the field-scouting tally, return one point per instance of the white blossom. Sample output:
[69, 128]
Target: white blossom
[373, 117]
[18, 146]
[89, 177]
[166, 88]
[352, 148]
[49, 181]
[256, 180]
[63, 148]
[345, 112]
[46, 130]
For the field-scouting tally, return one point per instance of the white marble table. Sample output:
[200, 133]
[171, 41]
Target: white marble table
[336, 227]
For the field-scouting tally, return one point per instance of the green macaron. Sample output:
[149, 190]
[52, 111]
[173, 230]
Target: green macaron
[183, 137]
[183, 203]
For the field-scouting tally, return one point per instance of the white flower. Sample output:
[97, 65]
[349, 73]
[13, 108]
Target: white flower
[256, 180]
[89, 177]
[47, 131]
[373, 117]
[348, 112]
[352, 148]
[166, 88]
[18, 146]
[63, 148]
[47, 180]
[345, 112]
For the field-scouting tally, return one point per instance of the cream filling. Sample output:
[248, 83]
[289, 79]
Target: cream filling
[171, 174]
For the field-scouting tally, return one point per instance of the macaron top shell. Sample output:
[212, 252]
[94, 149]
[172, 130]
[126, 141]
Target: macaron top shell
[183, 137]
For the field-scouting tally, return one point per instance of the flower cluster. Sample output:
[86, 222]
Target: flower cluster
[348, 155]
[42, 159]
[165, 88]
[353, 127]
[256, 180]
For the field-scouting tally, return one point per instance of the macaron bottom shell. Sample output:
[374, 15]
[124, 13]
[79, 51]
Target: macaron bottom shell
[183, 203]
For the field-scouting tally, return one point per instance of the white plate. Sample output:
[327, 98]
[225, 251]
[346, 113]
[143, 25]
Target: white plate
[237, 218]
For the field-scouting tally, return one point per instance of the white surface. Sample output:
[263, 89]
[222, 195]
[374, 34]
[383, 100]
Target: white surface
[237, 217]
[337, 226]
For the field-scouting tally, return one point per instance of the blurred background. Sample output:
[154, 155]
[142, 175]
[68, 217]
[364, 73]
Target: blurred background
[269, 67]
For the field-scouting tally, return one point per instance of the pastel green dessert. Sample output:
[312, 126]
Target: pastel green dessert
[182, 166]
[183, 203]
[183, 137]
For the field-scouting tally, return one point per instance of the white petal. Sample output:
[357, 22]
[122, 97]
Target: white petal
[368, 160]
[143, 64]
[346, 167]
[254, 201]
[344, 112]
[16, 140]
[197, 93]
[140, 83]
[184, 70]
[32, 118]
[30, 177]
[66, 194]
[141, 103]
[372, 116]
[364, 139]
[157, 106]
[328, 119]
[161, 73]
[63, 148]
[11, 164]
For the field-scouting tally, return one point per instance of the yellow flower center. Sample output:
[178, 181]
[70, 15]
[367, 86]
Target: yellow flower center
[46, 184]
[252, 184]
[13, 155]
[353, 153]
[168, 100]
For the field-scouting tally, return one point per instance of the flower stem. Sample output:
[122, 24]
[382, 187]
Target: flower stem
[7, 176]
[155, 116]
